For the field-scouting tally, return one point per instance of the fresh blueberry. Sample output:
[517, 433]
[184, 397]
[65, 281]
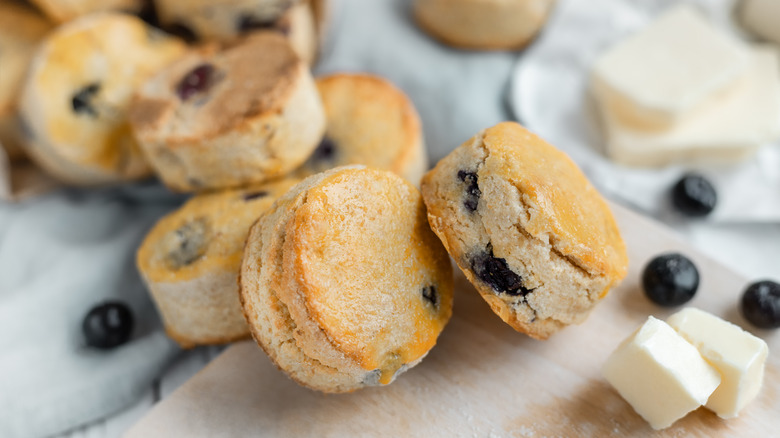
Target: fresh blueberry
[670, 280]
[108, 325]
[473, 193]
[196, 81]
[694, 195]
[82, 100]
[431, 295]
[761, 304]
[495, 272]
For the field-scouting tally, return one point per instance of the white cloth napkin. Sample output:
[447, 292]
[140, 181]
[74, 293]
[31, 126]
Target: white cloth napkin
[549, 94]
[59, 256]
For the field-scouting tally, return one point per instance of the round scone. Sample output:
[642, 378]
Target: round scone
[21, 29]
[343, 283]
[74, 101]
[190, 261]
[483, 24]
[224, 119]
[66, 10]
[225, 20]
[526, 227]
[371, 122]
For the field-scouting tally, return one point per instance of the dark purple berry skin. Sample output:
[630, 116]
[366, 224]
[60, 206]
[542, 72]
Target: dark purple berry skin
[325, 151]
[108, 325]
[431, 295]
[670, 280]
[495, 272]
[471, 200]
[247, 22]
[251, 196]
[694, 196]
[761, 304]
[82, 100]
[196, 81]
[182, 31]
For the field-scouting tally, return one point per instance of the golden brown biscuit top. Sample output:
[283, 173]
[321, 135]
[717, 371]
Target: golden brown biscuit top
[561, 201]
[241, 82]
[206, 234]
[95, 61]
[369, 121]
[363, 256]
[20, 30]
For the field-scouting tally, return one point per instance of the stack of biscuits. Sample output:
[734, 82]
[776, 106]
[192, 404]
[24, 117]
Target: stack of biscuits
[314, 227]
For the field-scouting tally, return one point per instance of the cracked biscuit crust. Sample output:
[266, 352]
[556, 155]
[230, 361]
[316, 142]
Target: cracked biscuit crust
[526, 227]
[343, 283]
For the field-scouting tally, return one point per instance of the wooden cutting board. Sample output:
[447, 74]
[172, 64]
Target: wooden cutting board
[482, 379]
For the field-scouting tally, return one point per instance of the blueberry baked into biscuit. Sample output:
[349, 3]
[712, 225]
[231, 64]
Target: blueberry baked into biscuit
[526, 227]
[190, 261]
[74, 101]
[343, 283]
[371, 122]
[226, 20]
[216, 119]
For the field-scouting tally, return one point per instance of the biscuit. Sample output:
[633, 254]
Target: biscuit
[343, 283]
[227, 20]
[21, 29]
[245, 115]
[483, 24]
[371, 122]
[74, 101]
[190, 261]
[526, 227]
[67, 10]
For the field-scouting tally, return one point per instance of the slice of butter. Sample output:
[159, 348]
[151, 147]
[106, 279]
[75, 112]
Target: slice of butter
[762, 17]
[738, 356]
[660, 374]
[662, 74]
[729, 129]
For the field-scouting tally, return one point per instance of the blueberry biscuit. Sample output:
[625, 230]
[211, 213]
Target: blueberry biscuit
[526, 227]
[67, 10]
[74, 101]
[225, 119]
[371, 122]
[226, 20]
[343, 283]
[483, 24]
[190, 261]
[21, 29]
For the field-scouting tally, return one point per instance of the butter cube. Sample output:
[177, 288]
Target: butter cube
[762, 17]
[662, 74]
[738, 356]
[728, 129]
[660, 374]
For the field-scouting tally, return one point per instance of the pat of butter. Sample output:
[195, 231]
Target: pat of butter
[735, 353]
[660, 75]
[762, 17]
[660, 374]
[729, 129]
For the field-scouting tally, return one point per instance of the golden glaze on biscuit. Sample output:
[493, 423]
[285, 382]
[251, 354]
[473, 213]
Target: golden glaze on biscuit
[345, 261]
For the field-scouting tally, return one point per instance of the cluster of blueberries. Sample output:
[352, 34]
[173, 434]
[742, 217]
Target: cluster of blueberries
[672, 279]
